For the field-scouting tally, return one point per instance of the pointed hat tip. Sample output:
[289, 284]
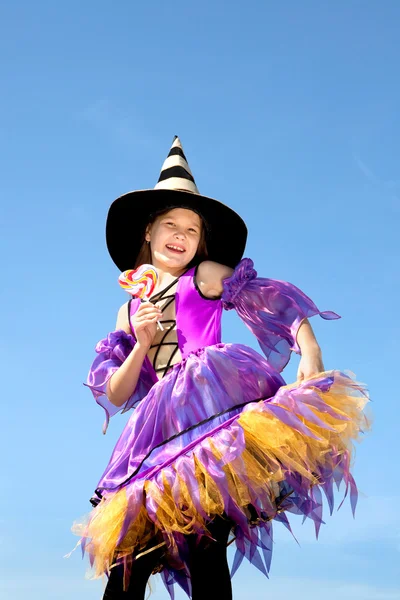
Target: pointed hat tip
[176, 141]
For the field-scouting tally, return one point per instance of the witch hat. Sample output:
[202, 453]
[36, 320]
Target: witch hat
[129, 215]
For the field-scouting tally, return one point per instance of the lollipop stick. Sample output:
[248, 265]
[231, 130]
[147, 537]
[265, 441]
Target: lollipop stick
[158, 322]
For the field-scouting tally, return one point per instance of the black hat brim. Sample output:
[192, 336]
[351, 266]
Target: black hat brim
[129, 215]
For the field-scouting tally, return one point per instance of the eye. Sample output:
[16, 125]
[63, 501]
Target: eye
[193, 230]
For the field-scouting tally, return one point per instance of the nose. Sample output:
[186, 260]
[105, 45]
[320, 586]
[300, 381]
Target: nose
[179, 235]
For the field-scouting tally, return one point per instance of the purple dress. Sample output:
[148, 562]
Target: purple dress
[221, 433]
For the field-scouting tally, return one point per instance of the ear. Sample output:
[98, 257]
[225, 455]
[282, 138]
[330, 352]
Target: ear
[147, 236]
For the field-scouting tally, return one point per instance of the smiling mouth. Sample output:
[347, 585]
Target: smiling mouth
[177, 249]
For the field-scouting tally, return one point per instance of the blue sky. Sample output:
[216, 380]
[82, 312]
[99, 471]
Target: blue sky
[288, 112]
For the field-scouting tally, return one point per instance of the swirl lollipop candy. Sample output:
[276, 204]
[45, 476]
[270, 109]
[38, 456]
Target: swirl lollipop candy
[140, 282]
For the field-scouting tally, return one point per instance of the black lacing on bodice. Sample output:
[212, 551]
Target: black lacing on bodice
[169, 299]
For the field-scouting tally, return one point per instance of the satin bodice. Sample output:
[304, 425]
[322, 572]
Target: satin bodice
[198, 319]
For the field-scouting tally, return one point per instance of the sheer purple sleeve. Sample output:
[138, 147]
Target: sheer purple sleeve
[111, 353]
[273, 311]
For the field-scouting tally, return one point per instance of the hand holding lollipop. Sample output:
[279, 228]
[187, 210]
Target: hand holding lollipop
[140, 282]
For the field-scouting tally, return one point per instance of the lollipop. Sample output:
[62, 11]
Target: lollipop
[140, 282]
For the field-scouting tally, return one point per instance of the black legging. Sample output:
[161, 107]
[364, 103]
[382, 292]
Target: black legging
[209, 570]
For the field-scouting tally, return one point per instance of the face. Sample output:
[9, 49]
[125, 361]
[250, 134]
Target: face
[174, 238]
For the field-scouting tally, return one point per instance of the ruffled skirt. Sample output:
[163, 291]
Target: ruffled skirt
[221, 434]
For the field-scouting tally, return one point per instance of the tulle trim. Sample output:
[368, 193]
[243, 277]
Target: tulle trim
[273, 310]
[234, 284]
[117, 344]
[275, 458]
[111, 352]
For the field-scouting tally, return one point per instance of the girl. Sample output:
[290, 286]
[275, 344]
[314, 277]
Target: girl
[217, 445]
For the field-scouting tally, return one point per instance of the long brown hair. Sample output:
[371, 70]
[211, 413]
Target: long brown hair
[144, 256]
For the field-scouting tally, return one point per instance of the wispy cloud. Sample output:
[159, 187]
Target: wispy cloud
[390, 186]
[366, 170]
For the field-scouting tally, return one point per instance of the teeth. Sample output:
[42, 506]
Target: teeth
[175, 248]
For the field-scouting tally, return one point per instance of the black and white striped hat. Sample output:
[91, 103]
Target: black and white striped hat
[176, 188]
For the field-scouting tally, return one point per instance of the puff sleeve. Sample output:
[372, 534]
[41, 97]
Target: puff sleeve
[273, 310]
[111, 353]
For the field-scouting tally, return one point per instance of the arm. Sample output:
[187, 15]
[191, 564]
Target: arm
[311, 356]
[123, 382]
[130, 383]
[210, 276]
